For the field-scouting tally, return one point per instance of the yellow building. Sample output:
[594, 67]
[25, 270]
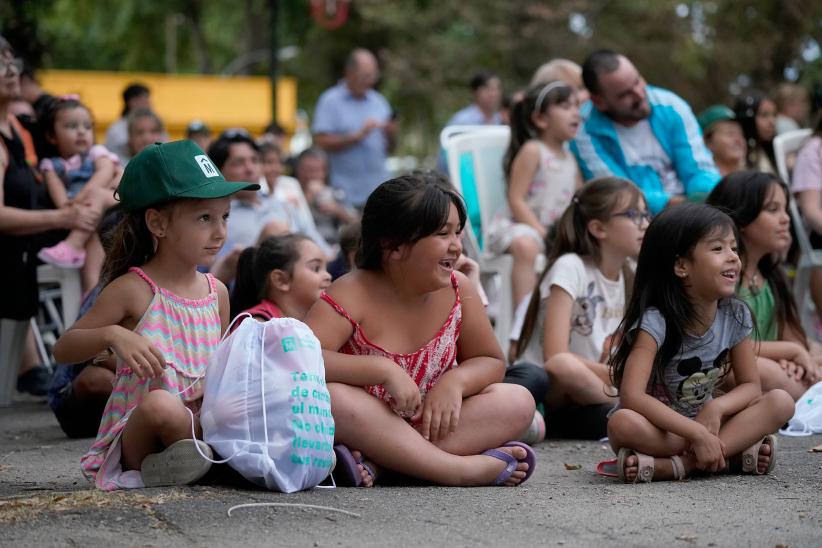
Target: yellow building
[220, 102]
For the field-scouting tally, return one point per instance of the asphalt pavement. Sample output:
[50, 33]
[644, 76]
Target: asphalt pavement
[45, 501]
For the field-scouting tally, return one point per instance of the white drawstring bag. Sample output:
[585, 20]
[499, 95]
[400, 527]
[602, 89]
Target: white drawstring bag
[807, 417]
[266, 408]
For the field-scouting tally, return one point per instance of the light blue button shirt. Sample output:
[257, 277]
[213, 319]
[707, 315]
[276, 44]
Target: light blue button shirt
[360, 168]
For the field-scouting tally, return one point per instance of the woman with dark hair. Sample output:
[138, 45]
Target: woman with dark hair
[28, 219]
[756, 112]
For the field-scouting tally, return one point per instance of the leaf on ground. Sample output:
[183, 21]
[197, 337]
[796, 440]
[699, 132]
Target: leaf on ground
[569, 466]
[687, 538]
[21, 509]
[817, 449]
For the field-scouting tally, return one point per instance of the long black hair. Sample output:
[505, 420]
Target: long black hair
[256, 263]
[538, 99]
[403, 211]
[742, 196]
[595, 200]
[746, 107]
[672, 235]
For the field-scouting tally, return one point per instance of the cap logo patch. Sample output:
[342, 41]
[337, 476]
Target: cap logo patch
[206, 166]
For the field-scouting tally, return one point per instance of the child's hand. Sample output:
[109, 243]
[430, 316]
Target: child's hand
[792, 369]
[440, 413]
[709, 451]
[404, 392]
[137, 352]
[710, 416]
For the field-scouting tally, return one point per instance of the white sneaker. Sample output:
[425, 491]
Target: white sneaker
[178, 464]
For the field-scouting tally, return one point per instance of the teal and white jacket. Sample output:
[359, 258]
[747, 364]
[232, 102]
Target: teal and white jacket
[599, 152]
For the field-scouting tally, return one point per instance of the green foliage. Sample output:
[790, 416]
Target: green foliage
[430, 48]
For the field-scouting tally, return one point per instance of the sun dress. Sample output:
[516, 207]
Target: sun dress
[426, 365]
[186, 332]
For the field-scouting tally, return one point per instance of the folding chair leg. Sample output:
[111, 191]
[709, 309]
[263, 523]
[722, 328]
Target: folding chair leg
[12, 341]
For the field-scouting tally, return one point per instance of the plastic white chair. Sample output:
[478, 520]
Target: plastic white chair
[474, 155]
[810, 258]
[71, 292]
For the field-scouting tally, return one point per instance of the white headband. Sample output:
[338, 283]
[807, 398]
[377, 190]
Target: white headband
[548, 87]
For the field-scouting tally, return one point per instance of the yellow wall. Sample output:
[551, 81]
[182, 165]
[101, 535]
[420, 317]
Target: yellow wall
[221, 102]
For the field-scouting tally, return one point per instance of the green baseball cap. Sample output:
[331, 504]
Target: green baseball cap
[714, 114]
[168, 171]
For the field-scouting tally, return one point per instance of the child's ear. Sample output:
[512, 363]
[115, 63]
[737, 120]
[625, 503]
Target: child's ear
[397, 253]
[538, 120]
[279, 280]
[157, 222]
[681, 268]
[51, 138]
[597, 229]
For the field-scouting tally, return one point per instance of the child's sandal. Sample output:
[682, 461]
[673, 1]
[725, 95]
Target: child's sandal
[750, 457]
[645, 466]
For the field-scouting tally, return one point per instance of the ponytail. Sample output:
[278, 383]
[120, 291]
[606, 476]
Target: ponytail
[595, 200]
[538, 99]
[256, 264]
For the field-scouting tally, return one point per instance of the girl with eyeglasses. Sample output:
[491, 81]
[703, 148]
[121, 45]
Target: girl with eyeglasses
[579, 301]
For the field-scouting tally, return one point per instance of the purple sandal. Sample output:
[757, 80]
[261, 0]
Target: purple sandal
[347, 470]
[511, 461]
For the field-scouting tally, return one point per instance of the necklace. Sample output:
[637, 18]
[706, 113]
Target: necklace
[753, 286]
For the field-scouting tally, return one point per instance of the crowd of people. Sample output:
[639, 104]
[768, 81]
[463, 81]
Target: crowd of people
[663, 318]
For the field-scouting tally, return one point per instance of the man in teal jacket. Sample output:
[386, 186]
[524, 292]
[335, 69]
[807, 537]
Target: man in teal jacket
[642, 133]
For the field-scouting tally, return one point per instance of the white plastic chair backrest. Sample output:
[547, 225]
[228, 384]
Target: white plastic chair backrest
[786, 143]
[485, 148]
[450, 131]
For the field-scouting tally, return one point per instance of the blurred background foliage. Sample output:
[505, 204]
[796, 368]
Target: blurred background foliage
[705, 50]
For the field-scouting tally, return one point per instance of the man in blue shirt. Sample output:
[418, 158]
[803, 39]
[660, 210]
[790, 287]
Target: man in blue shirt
[487, 91]
[642, 133]
[354, 124]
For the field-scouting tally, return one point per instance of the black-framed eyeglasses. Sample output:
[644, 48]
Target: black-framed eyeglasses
[635, 215]
[16, 64]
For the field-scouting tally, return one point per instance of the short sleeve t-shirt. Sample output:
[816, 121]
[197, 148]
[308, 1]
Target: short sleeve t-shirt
[599, 304]
[641, 147]
[689, 380]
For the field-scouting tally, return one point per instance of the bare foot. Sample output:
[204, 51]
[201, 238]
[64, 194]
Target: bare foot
[489, 468]
[367, 478]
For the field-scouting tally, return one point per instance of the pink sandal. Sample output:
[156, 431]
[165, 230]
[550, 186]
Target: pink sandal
[750, 458]
[62, 255]
[645, 464]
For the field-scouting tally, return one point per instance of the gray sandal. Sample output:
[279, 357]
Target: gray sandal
[645, 465]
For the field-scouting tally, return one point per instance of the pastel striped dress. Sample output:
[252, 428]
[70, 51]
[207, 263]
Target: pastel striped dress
[186, 332]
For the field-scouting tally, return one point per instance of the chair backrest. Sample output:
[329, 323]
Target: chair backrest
[475, 167]
[786, 144]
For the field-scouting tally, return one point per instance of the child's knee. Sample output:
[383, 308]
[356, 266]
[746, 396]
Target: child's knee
[163, 410]
[780, 403]
[622, 424]
[516, 401]
[524, 247]
[564, 366]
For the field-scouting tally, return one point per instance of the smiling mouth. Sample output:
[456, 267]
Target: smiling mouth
[730, 275]
[448, 264]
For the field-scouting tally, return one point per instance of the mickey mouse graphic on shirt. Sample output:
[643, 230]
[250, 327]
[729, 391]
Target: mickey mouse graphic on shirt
[698, 383]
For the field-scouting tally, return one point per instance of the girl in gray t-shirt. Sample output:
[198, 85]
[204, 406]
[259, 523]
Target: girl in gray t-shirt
[684, 330]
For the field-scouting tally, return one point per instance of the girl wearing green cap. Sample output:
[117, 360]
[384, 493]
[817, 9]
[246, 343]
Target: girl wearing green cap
[159, 316]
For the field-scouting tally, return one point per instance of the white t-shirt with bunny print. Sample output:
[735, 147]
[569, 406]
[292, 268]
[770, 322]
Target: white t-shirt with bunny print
[599, 304]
